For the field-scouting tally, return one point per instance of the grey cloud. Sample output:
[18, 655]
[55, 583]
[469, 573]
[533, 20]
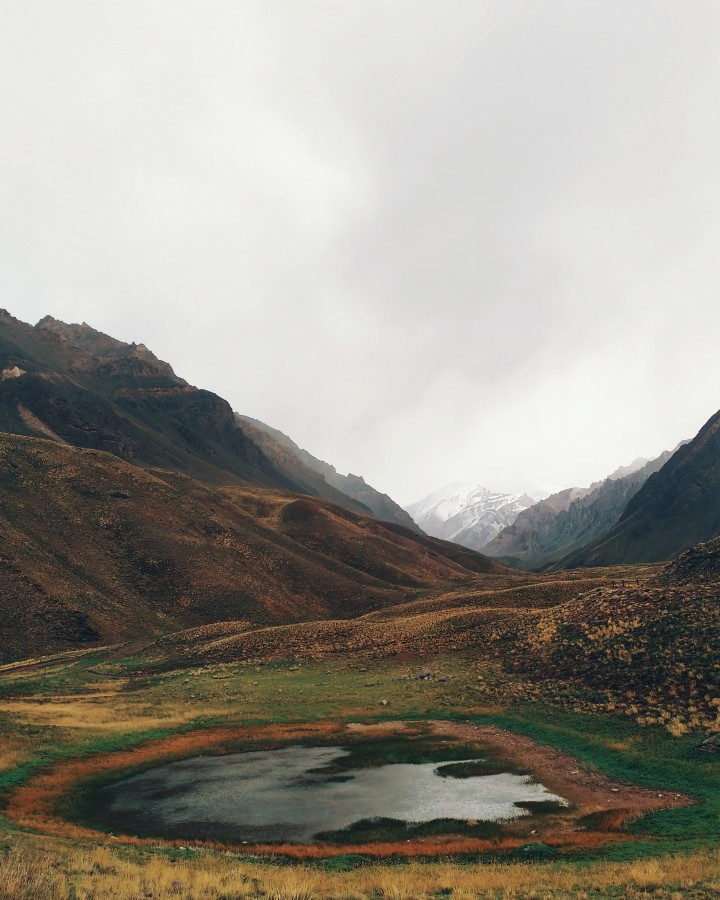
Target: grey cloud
[470, 240]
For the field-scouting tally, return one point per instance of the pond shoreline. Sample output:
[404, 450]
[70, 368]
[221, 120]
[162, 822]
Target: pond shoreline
[39, 803]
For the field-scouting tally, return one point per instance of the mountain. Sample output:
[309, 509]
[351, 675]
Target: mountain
[96, 550]
[551, 530]
[467, 515]
[676, 507]
[76, 385]
[279, 446]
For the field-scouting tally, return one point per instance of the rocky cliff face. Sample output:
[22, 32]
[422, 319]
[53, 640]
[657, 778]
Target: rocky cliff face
[552, 530]
[524, 540]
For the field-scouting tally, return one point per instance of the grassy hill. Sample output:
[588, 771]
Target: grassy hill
[638, 641]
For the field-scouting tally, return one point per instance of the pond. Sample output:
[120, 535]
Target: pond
[299, 793]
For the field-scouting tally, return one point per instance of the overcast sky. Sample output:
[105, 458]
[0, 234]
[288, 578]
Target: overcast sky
[431, 241]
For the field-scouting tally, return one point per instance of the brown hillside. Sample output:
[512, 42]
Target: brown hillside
[93, 549]
[639, 640]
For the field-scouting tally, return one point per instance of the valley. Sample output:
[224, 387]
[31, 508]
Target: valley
[187, 590]
[436, 669]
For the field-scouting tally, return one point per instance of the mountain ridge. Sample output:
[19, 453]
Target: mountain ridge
[676, 508]
[71, 383]
[380, 505]
[547, 534]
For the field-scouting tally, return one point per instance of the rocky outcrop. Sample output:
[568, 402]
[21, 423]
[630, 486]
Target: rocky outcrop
[700, 563]
[85, 388]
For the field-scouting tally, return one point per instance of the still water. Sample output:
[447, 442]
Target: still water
[276, 795]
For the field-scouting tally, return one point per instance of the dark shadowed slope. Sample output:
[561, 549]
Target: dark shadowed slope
[677, 507]
[73, 384]
[93, 549]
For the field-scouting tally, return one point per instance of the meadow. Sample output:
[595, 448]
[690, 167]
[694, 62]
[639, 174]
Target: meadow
[112, 705]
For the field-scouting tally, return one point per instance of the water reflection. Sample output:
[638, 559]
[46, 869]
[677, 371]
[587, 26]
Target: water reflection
[278, 795]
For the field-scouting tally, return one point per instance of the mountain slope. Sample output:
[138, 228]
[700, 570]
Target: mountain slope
[554, 528]
[467, 515]
[73, 384]
[93, 549]
[278, 445]
[677, 507]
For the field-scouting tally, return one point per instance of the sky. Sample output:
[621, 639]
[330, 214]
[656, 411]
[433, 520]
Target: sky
[431, 241]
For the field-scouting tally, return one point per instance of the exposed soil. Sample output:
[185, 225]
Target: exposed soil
[38, 804]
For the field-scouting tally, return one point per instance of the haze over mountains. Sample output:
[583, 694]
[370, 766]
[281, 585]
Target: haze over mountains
[647, 511]
[134, 504]
[676, 508]
[549, 532]
[274, 442]
[468, 515]
[74, 384]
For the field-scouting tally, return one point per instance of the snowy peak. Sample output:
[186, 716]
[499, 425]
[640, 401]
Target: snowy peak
[470, 515]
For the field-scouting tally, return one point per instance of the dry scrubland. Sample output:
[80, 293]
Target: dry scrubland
[517, 653]
[106, 873]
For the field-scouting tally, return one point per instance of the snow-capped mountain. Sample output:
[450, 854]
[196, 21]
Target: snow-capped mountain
[466, 514]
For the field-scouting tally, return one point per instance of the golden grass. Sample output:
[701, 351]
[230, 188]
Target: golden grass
[11, 752]
[92, 715]
[104, 873]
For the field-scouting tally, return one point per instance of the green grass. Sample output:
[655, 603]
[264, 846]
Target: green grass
[653, 758]
[350, 690]
[384, 829]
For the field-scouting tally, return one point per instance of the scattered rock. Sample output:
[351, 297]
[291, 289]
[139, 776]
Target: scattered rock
[383, 703]
[425, 675]
[711, 745]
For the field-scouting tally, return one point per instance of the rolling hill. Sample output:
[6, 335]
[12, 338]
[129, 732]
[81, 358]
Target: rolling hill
[95, 550]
